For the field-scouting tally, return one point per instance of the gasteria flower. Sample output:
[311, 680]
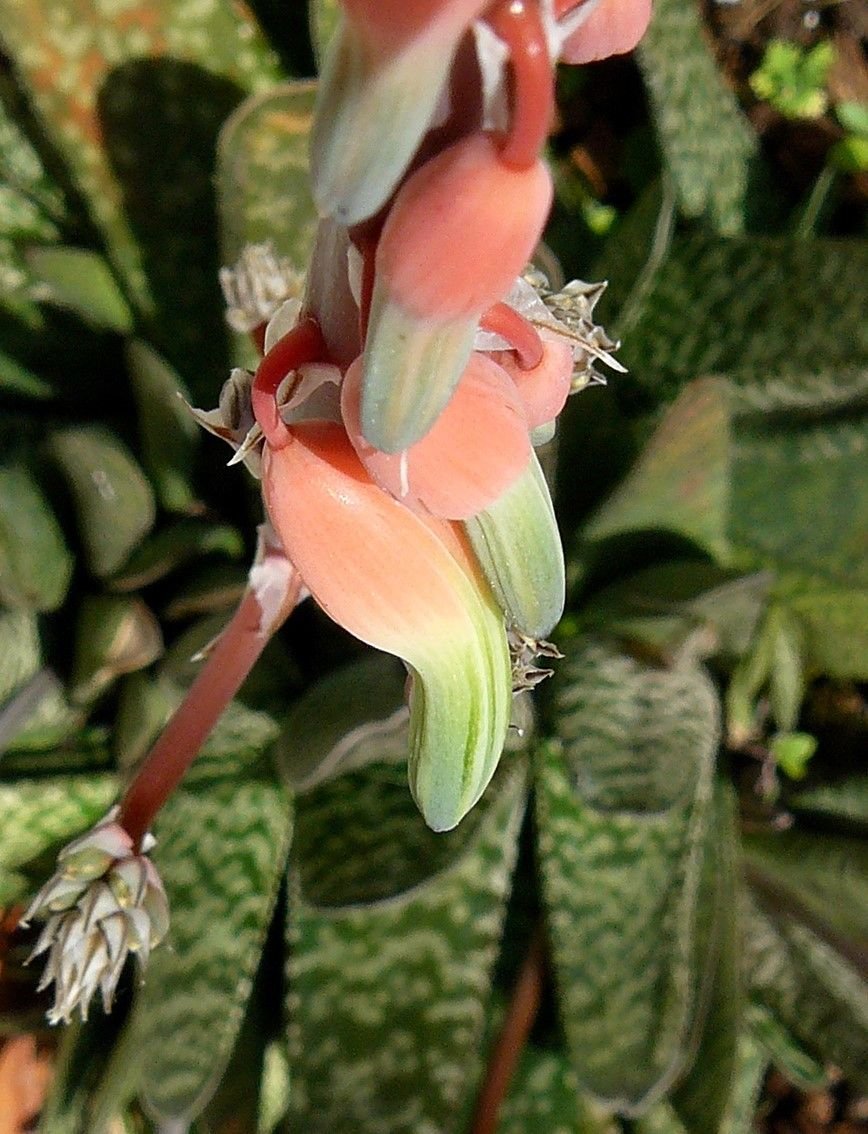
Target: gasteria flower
[408, 586]
[461, 229]
[381, 82]
[104, 902]
[476, 449]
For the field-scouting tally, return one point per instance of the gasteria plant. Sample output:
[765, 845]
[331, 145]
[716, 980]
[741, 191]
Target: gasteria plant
[660, 893]
[393, 426]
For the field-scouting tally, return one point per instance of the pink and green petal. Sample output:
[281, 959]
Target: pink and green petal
[460, 230]
[390, 578]
[379, 89]
[475, 450]
[518, 546]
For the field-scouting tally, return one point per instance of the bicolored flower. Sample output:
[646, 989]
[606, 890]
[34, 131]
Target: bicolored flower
[104, 902]
[379, 89]
[460, 230]
[407, 585]
[474, 451]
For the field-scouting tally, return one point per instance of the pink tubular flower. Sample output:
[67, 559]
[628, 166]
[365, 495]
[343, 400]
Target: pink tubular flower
[461, 229]
[404, 585]
[544, 388]
[477, 447]
[388, 64]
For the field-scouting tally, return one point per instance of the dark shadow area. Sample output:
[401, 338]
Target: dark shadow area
[160, 119]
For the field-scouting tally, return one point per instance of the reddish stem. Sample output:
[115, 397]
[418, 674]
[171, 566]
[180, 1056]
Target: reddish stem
[304, 343]
[519, 24]
[228, 664]
[504, 1057]
[520, 333]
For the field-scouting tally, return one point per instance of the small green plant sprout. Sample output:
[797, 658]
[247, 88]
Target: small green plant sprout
[792, 751]
[792, 79]
[850, 155]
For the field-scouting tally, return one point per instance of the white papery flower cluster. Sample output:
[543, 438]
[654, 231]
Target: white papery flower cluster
[103, 903]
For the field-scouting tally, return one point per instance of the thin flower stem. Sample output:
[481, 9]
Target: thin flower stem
[228, 664]
[506, 1052]
[519, 24]
[304, 343]
[520, 333]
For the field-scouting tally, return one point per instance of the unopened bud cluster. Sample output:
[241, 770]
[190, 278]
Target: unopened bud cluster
[104, 902]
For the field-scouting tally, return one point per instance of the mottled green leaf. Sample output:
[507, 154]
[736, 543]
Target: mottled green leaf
[113, 500]
[144, 705]
[214, 587]
[113, 636]
[35, 564]
[387, 997]
[262, 174]
[358, 840]
[33, 709]
[39, 816]
[800, 496]
[21, 218]
[765, 311]
[353, 717]
[21, 168]
[17, 298]
[20, 650]
[132, 96]
[623, 805]
[835, 627]
[703, 1094]
[750, 1069]
[169, 435]
[680, 482]
[787, 1055]
[82, 282]
[815, 993]
[661, 1118]
[668, 603]
[171, 547]
[545, 1096]
[846, 798]
[708, 145]
[221, 849]
[827, 873]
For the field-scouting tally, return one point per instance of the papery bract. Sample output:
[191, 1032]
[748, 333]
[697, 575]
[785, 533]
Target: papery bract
[477, 447]
[391, 579]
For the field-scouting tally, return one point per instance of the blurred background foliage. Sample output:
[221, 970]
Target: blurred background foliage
[673, 854]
